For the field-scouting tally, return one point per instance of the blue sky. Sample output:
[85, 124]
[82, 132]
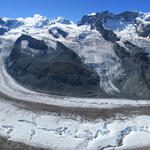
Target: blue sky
[71, 9]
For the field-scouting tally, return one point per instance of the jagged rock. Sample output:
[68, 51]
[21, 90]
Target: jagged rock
[82, 36]
[2, 22]
[32, 42]
[144, 30]
[128, 15]
[13, 23]
[2, 31]
[136, 63]
[108, 35]
[57, 32]
[7, 25]
[95, 21]
[106, 15]
[57, 71]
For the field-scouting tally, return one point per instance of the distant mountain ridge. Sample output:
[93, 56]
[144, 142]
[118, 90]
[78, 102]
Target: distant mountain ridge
[115, 22]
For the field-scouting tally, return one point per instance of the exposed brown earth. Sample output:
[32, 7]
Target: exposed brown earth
[86, 113]
[12, 145]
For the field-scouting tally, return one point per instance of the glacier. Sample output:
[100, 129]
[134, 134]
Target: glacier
[70, 131]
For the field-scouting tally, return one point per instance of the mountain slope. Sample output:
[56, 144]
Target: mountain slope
[45, 69]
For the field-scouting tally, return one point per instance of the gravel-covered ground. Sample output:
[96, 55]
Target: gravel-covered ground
[12, 145]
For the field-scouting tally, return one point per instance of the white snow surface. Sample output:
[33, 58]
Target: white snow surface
[63, 132]
[24, 44]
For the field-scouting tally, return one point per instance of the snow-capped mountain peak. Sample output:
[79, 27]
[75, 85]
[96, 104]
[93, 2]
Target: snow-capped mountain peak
[37, 21]
[62, 20]
[92, 14]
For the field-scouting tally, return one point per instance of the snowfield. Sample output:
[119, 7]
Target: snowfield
[63, 132]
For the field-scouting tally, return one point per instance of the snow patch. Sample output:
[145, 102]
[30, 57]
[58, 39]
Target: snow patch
[92, 14]
[24, 44]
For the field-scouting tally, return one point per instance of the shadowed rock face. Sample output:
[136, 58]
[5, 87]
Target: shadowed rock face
[32, 42]
[2, 31]
[57, 32]
[136, 82]
[106, 15]
[7, 25]
[2, 22]
[59, 71]
[128, 15]
[96, 23]
[144, 31]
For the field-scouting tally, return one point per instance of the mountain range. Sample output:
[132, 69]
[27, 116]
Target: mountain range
[103, 55]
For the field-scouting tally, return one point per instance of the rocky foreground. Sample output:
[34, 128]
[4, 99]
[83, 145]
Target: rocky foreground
[12, 145]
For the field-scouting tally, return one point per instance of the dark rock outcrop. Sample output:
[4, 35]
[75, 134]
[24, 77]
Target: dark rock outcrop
[32, 42]
[136, 81]
[128, 15]
[7, 25]
[13, 23]
[2, 22]
[101, 20]
[95, 21]
[144, 30]
[106, 15]
[58, 71]
[57, 32]
[2, 31]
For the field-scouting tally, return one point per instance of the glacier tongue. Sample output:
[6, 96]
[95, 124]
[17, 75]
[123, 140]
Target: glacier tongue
[48, 130]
